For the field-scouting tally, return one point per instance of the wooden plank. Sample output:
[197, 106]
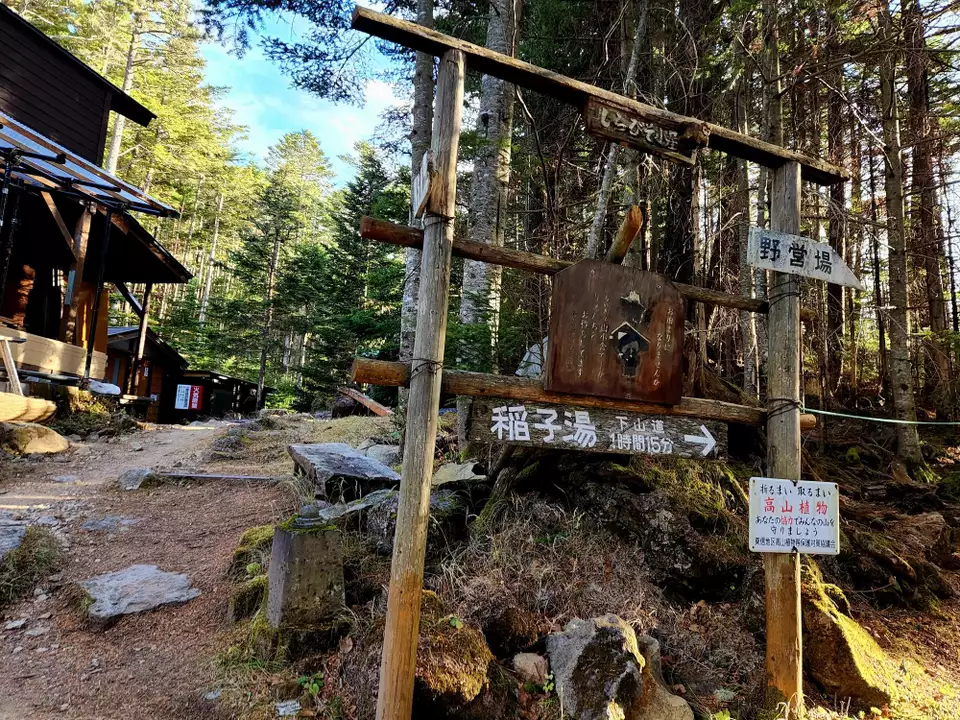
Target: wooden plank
[629, 229]
[130, 298]
[58, 219]
[393, 234]
[798, 255]
[68, 319]
[573, 427]
[53, 356]
[577, 93]
[622, 126]
[461, 382]
[395, 696]
[615, 332]
[420, 189]
[782, 570]
[141, 336]
[368, 402]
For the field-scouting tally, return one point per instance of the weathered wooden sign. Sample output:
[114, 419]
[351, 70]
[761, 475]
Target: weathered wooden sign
[615, 332]
[569, 427]
[420, 185]
[798, 255]
[613, 123]
[787, 516]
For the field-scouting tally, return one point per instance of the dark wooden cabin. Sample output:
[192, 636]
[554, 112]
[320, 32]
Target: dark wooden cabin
[157, 372]
[204, 393]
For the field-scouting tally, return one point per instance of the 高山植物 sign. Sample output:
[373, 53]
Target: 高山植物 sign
[566, 427]
[787, 516]
[798, 255]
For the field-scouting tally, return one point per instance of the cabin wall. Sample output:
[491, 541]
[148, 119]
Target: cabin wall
[51, 94]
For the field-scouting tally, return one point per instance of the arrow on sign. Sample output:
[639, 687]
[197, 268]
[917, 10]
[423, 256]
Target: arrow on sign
[707, 440]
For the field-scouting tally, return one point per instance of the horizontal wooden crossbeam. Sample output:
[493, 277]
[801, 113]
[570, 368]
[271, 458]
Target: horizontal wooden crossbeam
[460, 382]
[387, 232]
[577, 93]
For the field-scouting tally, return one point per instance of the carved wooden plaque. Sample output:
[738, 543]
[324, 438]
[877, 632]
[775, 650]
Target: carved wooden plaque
[613, 123]
[615, 332]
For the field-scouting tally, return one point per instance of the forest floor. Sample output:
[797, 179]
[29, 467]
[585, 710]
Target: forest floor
[156, 665]
[162, 664]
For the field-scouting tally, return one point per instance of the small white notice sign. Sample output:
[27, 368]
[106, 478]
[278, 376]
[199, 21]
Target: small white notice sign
[798, 255]
[787, 516]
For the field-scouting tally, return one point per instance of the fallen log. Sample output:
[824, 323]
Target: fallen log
[368, 402]
[459, 382]
[23, 408]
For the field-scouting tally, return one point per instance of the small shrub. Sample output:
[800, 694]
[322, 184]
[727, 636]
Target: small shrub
[37, 557]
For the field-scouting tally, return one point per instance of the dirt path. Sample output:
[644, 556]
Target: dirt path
[154, 665]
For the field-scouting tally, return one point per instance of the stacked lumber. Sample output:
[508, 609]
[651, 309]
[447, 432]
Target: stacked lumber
[25, 409]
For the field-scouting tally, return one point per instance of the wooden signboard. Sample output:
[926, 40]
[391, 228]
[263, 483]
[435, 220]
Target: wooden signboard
[570, 427]
[797, 255]
[788, 516]
[618, 125]
[615, 332]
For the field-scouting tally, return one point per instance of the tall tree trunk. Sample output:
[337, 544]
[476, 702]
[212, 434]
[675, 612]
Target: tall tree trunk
[480, 300]
[836, 213]
[748, 327]
[119, 121]
[268, 316]
[925, 245]
[419, 143]
[901, 376]
[208, 285]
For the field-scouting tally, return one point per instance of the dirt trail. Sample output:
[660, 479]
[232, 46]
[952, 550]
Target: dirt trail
[154, 665]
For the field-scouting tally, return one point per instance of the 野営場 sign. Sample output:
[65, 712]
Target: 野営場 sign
[787, 516]
[797, 255]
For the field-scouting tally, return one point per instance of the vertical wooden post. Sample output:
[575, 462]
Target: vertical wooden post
[784, 641]
[395, 698]
[95, 319]
[68, 321]
[141, 341]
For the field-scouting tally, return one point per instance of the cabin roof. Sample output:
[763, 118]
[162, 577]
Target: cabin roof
[123, 339]
[120, 101]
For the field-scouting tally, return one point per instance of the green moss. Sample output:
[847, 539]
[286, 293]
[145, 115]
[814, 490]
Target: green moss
[289, 525]
[254, 545]
[853, 456]
[248, 597]
[38, 556]
[693, 487]
[950, 486]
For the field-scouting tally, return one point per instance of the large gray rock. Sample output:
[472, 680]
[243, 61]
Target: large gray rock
[340, 472]
[135, 589]
[108, 523]
[12, 533]
[602, 671]
[23, 438]
[467, 472]
[386, 454]
[136, 478]
[448, 520]
[343, 515]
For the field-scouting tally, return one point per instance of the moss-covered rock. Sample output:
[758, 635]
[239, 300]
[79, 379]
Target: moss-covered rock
[452, 657]
[247, 598]
[838, 653]
[24, 438]
[254, 547]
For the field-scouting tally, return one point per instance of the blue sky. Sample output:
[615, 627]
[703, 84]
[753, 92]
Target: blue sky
[263, 100]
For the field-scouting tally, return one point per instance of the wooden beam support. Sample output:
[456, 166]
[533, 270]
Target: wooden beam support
[58, 219]
[565, 89]
[141, 339]
[387, 232]
[68, 319]
[461, 382]
[629, 229]
[782, 570]
[401, 633]
[130, 298]
[368, 402]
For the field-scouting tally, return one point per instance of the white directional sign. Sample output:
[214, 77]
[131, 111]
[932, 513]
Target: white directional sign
[798, 255]
[787, 516]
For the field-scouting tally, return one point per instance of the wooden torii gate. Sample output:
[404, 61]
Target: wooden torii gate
[424, 374]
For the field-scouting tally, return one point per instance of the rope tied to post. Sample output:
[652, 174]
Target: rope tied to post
[777, 406]
[420, 365]
[779, 291]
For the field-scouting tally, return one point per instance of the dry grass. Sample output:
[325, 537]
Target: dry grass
[38, 556]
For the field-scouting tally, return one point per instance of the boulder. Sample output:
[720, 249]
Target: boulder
[387, 454]
[340, 472]
[838, 653]
[23, 438]
[136, 478]
[135, 589]
[352, 514]
[597, 668]
[448, 520]
[458, 472]
[657, 703]
[531, 668]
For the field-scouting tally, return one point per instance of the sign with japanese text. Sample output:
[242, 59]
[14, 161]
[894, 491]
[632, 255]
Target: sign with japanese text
[798, 255]
[189, 397]
[568, 427]
[619, 125]
[787, 516]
